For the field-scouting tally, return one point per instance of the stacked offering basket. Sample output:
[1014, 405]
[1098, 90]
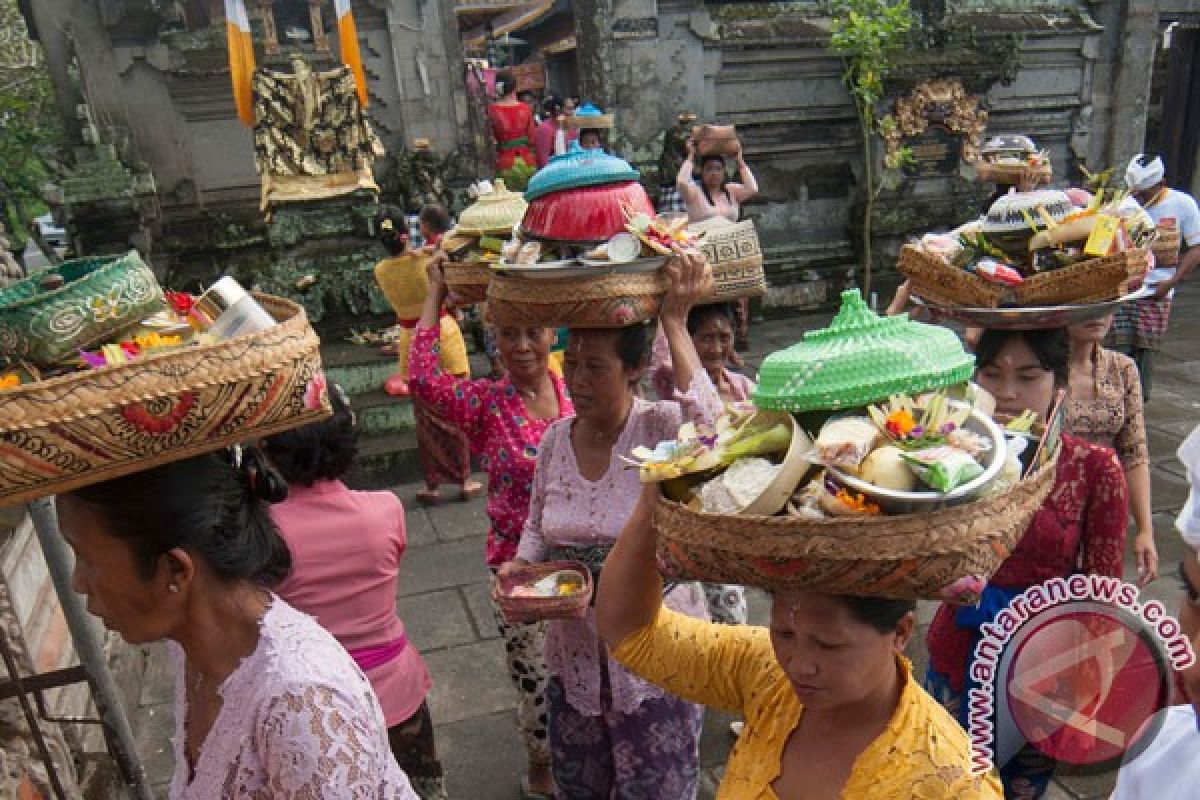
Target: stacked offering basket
[59, 434]
[946, 553]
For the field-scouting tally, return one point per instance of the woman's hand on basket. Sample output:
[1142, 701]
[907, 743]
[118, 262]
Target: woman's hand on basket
[691, 281]
[433, 269]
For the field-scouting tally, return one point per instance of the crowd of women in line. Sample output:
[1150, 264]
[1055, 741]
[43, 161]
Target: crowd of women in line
[276, 584]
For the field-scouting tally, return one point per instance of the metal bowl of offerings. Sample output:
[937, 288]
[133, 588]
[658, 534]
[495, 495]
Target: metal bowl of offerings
[892, 502]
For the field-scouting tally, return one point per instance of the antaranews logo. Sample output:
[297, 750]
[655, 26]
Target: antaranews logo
[1075, 667]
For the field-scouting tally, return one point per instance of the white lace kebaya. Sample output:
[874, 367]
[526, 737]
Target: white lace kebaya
[298, 721]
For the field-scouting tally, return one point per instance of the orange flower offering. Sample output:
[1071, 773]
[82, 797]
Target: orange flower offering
[858, 502]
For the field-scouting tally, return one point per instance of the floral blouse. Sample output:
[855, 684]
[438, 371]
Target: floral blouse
[298, 719]
[1114, 417]
[568, 510]
[503, 436]
[1080, 528]
[923, 753]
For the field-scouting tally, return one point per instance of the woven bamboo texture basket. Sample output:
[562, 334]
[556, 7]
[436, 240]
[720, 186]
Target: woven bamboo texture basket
[1091, 281]
[605, 301]
[518, 610]
[102, 297]
[912, 556]
[736, 258]
[1011, 174]
[89, 427]
[1166, 247]
[468, 280]
[934, 280]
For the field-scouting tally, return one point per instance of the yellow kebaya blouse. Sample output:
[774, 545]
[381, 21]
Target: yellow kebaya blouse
[924, 753]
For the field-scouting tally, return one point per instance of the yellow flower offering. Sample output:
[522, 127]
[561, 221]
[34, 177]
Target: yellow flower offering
[153, 340]
[9, 380]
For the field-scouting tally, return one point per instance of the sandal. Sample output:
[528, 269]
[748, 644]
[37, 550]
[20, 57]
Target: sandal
[429, 497]
[469, 490]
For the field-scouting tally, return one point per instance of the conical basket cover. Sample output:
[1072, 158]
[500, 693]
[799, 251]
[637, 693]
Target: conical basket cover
[496, 212]
[861, 358]
[577, 168]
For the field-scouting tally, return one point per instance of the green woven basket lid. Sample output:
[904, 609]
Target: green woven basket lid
[861, 358]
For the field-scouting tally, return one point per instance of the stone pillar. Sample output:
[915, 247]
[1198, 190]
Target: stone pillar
[1123, 100]
[593, 34]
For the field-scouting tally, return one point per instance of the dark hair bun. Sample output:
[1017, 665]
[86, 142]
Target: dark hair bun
[263, 481]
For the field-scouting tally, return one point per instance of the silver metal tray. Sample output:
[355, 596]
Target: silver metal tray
[1029, 317]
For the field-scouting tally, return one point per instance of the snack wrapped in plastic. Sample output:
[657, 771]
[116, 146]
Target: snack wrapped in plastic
[943, 468]
[844, 442]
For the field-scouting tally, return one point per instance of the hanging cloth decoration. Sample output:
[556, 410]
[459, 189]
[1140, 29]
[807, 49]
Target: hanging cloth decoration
[348, 46]
[241, 58]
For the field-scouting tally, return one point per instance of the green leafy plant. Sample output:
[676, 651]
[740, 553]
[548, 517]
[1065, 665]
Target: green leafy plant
[868, 34]
[30, 129]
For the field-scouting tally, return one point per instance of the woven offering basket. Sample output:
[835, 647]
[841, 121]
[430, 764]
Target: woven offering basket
[613, 300]
[102, 297]
[911, 556]
[533, 609]
[1166, 247]
[1011, 174]
[736, 259]
[467, 281]
[1091, 281]
[935, 280]
[88, 427]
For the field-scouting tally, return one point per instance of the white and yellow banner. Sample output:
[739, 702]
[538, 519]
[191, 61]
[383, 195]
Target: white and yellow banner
[348, 46]
[241, 58]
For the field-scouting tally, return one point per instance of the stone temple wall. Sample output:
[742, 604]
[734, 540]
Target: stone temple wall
[1074, 75]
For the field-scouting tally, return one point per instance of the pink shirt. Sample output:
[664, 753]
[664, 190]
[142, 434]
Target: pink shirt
[502, 434]
[346, 550]
[569, 510]
[297, 718]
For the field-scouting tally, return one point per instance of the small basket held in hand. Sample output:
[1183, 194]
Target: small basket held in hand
[522, 609]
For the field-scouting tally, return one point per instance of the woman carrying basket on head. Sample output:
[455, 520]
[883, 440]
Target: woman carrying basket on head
[613, 734]
[504, 420]
[1079, 528]
[830, 703]
[716, 196]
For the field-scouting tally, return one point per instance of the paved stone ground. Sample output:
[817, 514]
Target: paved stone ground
[443, 600]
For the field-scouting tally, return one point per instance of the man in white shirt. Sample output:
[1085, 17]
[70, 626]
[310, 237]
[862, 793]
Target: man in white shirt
[1141, 326]
[1169, 768]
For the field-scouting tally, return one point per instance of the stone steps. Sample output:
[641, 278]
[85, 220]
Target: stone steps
[387, 453]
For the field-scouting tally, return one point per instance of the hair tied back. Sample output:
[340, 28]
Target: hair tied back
[261, 480]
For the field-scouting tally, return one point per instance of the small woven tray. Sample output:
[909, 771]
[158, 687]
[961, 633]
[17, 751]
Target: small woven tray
[1166, 247]
[911, 556]
[1091, 281]
[1011, 175]
[947, 285]
[736, 258]
[468, 281]
[518, 610]
[88, 427]
[614, 300]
